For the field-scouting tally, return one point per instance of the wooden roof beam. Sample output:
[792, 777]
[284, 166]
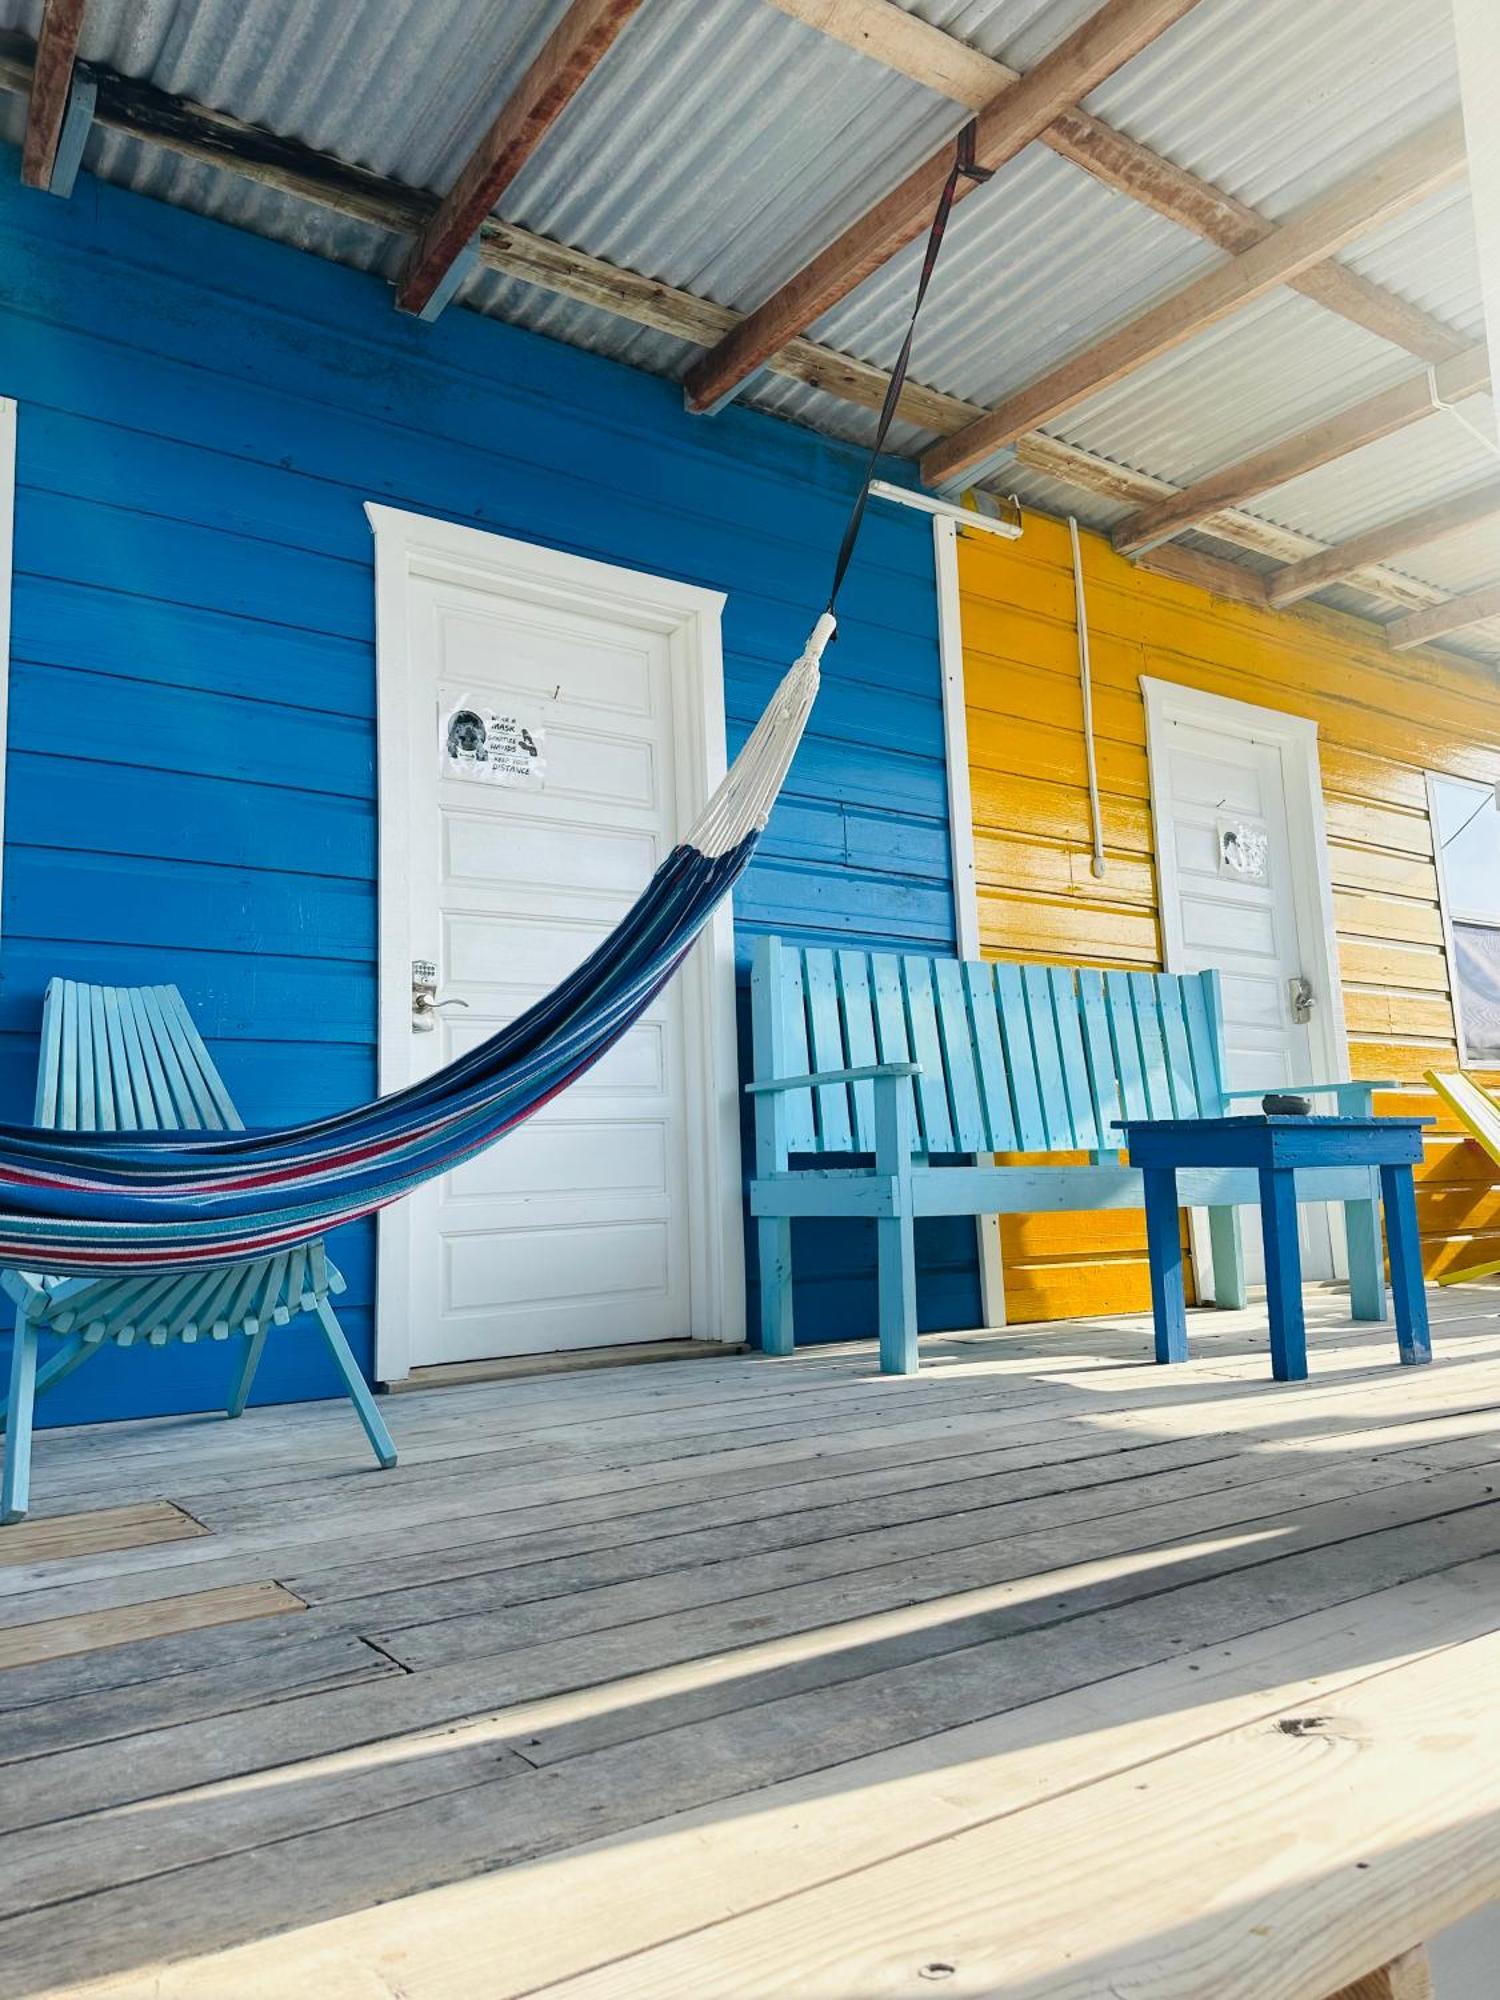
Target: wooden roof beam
[1395, 538]
[1378, 416]
[1093, 474]
[216, 139]
[1421, 627]
[1104, 42]
[887, 34]
[51, 87]
[1432, 159]
[568, 58]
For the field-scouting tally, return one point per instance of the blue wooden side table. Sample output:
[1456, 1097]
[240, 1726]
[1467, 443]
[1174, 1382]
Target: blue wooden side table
[1275, 1148]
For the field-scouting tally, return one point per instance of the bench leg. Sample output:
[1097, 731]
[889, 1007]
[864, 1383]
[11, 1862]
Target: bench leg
[1283, 1253]
[15, 1491]
[1412, 1335]
[1164, 1253]
[355, 1383]
[775, 1241]
[1366, 1262]
[897, 1257]
[1229, 1258]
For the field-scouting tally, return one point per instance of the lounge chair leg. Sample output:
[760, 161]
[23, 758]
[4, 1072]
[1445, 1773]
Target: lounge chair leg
[254, 1347]
[355, 1383]
[15, 1492]
[1366, 1259]
[1228, 1253]
[775, 1240]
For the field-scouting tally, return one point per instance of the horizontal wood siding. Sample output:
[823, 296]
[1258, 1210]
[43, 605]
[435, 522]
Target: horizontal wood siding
[202, 416]
[1383, 722]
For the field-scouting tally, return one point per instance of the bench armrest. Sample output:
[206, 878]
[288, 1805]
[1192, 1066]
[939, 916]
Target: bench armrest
[1356, 1090]
[872, 1074]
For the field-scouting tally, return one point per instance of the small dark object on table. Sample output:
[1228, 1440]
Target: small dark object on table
[1281, 1104]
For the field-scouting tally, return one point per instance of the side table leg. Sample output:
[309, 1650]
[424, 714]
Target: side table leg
[1412, 1335]
[1164, 1254]
[1283, 1254]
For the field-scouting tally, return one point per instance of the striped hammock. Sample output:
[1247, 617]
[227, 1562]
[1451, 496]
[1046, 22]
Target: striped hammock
[87, 1202]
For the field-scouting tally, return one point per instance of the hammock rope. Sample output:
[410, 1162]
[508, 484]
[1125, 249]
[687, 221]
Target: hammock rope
[85, 1203]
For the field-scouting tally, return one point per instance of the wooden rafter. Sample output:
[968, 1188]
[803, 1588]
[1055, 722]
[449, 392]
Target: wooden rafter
[1104, 42]
[569, 57]
[1377, 416]
[1215, 573]
[216, 139]
[1473, 608]
[884, 31]
[1434, 158]
[1395, 538]
[52, 79]
[1090, 473]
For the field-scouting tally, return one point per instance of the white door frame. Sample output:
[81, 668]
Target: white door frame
[961, 847]
[416, 545]
[1296, 737]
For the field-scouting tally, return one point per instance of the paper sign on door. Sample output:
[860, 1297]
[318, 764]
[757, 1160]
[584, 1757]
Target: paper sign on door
[490, 746]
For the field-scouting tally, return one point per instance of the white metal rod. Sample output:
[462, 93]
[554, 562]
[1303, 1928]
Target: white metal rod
[945, 510]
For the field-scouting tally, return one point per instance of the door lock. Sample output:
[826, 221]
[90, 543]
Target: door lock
[1303, 999]
[425, 1005]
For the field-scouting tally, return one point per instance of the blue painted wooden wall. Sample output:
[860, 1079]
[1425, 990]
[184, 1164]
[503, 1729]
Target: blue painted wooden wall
[191, 774]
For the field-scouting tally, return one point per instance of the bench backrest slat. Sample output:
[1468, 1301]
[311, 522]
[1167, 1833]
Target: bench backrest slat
[989, 1057]
[927, 1049]
[1020, 1060]
[1066, 1014]
[964, 1100]
[891, 1038]
[859, 1039]
[1103, 1071]
[1174, 1034]
[1014, 1058]
[827, 1043]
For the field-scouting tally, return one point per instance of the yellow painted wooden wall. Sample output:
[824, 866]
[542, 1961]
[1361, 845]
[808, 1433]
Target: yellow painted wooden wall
[1383, 722]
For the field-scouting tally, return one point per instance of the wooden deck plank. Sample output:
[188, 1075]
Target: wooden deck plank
[503, 1935]
[261, 1672]
[1262, 1903]
[100, 1531]
[621, 1598]
[91, 1631]
[165, 1877]
[976, 1635]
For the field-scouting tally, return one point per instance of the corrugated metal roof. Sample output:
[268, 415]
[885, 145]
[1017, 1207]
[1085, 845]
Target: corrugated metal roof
[718, 146]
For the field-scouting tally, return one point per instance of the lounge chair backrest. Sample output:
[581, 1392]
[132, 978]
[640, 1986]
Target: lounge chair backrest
[126, 1059]
[1474, 1106]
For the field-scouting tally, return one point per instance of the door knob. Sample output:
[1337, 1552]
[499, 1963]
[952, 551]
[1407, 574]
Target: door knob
[1303, 999]
[425, 1005]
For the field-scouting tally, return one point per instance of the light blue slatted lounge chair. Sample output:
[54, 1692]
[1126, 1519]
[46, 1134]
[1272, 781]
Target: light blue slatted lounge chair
[128, 1059]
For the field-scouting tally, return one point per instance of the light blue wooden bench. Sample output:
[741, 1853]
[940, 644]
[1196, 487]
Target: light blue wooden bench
[128, 1059]
[932, 1065]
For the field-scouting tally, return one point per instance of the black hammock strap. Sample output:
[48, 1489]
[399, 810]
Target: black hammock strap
[963, 169]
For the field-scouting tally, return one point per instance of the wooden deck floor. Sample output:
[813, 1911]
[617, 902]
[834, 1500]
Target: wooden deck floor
[1048, 1672]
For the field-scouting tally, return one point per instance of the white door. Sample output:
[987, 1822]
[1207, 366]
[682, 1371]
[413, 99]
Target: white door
[1232, 858]
[587, 1226]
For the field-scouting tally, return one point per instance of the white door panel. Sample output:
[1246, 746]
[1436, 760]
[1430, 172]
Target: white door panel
[586, 1225]
[1220, 798]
